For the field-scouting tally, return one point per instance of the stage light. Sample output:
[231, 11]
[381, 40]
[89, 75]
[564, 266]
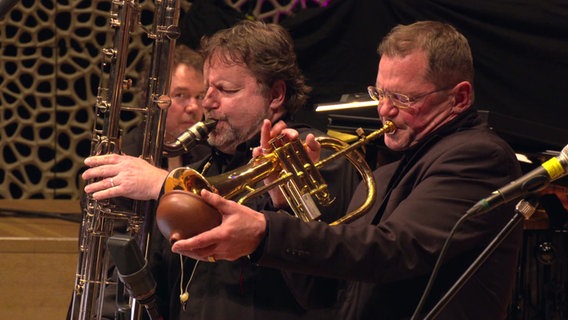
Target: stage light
[348, 101]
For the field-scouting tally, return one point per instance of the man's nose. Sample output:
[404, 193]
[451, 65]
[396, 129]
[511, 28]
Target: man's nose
[386, 108]
[191, 104]
[209, 99]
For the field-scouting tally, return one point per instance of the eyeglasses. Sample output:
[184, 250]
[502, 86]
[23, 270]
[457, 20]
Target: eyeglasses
[399, 100]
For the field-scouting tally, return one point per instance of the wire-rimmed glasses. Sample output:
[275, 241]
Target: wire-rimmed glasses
[399, 100]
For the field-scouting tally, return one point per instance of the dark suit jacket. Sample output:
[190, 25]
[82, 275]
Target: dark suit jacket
[389, 253]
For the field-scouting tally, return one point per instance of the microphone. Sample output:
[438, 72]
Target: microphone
[532, 182]
[133, 271]
[5, 6]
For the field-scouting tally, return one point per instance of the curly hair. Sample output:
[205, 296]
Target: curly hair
[267, 50]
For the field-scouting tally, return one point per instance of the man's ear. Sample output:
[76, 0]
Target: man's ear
[277, 95]
[462, 97]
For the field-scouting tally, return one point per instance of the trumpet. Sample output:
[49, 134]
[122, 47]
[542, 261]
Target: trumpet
[181, 213]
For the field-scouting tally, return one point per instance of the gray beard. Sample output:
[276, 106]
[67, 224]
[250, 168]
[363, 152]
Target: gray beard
[228, 139]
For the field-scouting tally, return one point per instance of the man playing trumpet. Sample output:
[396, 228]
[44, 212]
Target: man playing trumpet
[450, 160]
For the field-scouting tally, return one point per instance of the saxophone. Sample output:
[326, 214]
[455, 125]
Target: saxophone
[101, 218]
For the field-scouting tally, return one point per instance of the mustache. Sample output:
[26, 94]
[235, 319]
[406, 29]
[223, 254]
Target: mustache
[217, 117]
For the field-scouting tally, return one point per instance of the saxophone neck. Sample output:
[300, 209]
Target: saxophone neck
[191, 137]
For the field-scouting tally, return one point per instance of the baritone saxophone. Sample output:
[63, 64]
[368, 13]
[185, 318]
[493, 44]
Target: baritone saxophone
[102, 218]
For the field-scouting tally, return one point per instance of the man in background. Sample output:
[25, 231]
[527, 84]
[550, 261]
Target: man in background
[186, 93]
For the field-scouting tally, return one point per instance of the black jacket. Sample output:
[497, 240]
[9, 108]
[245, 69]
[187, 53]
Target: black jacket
[242, 289]
[389, 253]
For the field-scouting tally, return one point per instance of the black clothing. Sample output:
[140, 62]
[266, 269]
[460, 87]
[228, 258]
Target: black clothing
[242, 289]
[389, 253]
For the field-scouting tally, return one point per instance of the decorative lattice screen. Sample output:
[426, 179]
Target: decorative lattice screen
[49, 74]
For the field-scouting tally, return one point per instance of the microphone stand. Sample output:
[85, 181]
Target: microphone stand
[523, 211]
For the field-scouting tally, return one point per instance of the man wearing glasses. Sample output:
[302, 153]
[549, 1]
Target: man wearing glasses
[450, 160]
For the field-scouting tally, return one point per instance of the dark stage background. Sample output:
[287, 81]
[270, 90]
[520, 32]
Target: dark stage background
[520, 50]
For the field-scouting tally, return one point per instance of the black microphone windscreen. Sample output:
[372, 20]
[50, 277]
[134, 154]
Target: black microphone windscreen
[125, 254]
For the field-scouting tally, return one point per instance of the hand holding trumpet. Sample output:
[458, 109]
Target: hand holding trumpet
[241, 229]
[238, 235]
[269, 132]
